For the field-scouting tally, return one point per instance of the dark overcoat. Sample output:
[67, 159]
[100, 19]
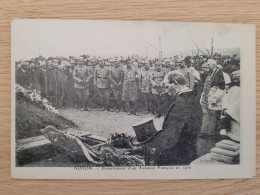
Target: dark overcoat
[21, 77]
[176, 143]
[51, 82]
[34, 79]
[42, 76]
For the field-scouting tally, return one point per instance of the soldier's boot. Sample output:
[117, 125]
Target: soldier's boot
[124, 107]
[108, 106]
[103, 105]
[150, 107]
[117, 105]
[86, 107]
[132, 108]
[155, 108]
[129, 112]
[146, 107]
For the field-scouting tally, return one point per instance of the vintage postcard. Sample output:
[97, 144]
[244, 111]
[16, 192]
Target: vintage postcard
[95, 99]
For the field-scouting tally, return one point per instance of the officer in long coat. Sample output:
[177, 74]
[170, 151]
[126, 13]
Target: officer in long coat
[33, 77]
[102, 83]
[115, 76]
[130, 87]
[81, 79]
[61, 85]
[92, 90]
[69, 84]
[51, 82]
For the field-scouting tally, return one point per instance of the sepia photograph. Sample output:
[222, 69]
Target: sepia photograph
[101, 99]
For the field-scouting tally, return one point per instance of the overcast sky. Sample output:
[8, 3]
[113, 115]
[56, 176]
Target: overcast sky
[74, 37]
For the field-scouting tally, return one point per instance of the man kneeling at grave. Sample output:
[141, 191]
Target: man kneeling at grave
[175, 144]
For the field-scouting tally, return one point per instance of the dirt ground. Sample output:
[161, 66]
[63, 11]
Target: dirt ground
[100, 123]
[104, 123]
[30, 117]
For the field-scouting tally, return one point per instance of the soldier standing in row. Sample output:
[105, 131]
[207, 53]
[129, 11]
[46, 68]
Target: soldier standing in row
[21, 75]
[157, 90]
[183, 66]
[92, 91]
[116, 74]
[146, 87]
[51, 81]
[42, 78]
[165, 98]
[130, 87]
[61, 85]
[33, 77]
[81, 78]
[69, 83]
[101, 82]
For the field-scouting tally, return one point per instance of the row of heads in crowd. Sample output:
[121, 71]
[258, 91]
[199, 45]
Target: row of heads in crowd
[135, 61]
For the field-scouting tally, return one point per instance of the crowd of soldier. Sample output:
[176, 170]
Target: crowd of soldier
[114, 84]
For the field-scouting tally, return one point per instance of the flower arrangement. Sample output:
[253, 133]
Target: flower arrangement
[34, 96]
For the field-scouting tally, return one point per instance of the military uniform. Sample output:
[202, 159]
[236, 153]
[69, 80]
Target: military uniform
[81, 78]
[129, 85]
[166, 99]
[145, 81]
[21, 77]
[138, 81]
[101, 81]
[116, 74]
[51, 85]
[92, 91]
[130, 88]
[69, 86]
[166, 69]
[33, 79]
[61, 85]
[156, 80]
[43, 81]
[189, 77]
[157, 90]
[145, 85]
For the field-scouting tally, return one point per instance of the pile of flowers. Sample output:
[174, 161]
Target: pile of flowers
[121, 140]
[34, 96]
[112, 156]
